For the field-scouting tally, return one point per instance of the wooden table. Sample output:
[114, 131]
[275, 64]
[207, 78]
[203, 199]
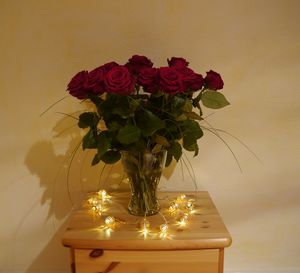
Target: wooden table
[195, 247]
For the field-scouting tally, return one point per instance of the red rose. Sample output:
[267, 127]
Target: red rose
[136, 63]
[109, 66]
[148, 78]
[95, 82]
[179, 62]
[77, 85]
[170, 80]
[191, 80]
[119, 81]
[213, 80]
[197, 82]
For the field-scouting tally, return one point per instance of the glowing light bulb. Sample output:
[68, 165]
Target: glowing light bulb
[183, 219]
[99, 208]
[163, 230]
[108, 232]
[181, 199]
[103, 195]
[144, 225]
[173, 207]
[182, 196]
[189, 206]
[93, 201]
[110, 221]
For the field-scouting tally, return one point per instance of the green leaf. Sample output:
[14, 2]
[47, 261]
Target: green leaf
[188, 141]
[122, 112]
[103, 144]
[191, 127]
[95, 99]
[137, 146]
[181, 117]
[115, 124]
[214, 99]
[175, 150]
[188, 106]
[191, 132]
[108, 104]
[111, 157]
[162, 140]
[149, 123]
[129, 134]
[89, 140]
[122, 106]
[169, 158]
[196, 150]
[98, 103]
[96, 159]
[88, 119]
[115, 105]
[193, 115]
[173, 129]
[193, 147]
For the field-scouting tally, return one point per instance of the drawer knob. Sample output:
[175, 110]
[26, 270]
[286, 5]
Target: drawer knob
[96, 253]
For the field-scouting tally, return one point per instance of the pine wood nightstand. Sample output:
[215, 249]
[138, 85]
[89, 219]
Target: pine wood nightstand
[197, 247]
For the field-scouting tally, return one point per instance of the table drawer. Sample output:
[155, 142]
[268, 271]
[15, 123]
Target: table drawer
[181, 261]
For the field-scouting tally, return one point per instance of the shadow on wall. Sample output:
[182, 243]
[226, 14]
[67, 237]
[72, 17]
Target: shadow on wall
[65, 175]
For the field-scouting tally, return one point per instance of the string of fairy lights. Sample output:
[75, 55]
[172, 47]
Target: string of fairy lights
[181, 209]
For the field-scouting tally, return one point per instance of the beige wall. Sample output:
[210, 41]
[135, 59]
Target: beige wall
[255, 45]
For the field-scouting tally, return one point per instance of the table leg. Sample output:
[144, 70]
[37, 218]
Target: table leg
[72, 260]
[221, 260]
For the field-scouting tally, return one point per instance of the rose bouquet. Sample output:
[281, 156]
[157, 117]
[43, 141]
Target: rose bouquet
[143, 108]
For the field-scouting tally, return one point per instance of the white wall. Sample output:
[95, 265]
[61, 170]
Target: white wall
[255, 45]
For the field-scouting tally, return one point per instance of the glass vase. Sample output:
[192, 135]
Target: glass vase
[143, 171]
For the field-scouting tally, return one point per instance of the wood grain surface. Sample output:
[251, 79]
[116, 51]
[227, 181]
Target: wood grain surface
[205, 229]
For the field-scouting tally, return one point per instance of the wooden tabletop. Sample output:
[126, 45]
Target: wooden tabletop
[204, 229]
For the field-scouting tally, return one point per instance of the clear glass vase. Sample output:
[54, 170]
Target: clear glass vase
[144, 171]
